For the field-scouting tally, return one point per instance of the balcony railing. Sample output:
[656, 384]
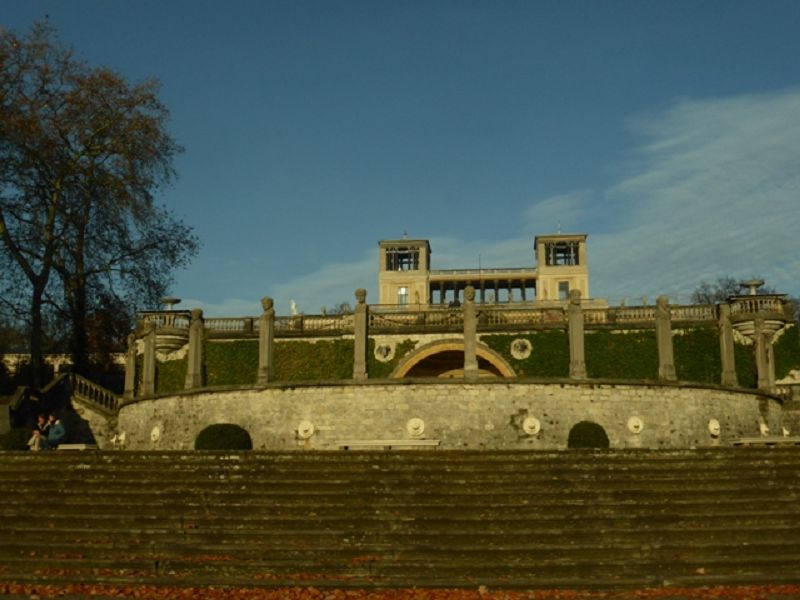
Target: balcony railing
[773, 303]
[416, 317]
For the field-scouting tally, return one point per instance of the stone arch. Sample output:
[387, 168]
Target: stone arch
[445, 358]
[588, 434]
[223, 436]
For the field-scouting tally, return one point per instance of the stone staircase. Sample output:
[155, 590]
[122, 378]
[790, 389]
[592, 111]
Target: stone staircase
[572, 519]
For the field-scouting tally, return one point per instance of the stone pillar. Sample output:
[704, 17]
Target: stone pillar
[577, 362]
[194, 366]
[666, 361]
[130, 368]
[765, 365]
[149, 363]
[726, 347]
[470, 335]
[266, 336]
[360, 330]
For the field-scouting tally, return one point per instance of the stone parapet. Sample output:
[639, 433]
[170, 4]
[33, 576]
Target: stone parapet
[480, 415]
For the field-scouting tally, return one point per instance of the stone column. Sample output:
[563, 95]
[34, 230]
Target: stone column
[149, 366]
[726, 347]
[470, 335]
[577, 361]
[666, 361]
[360, 330]
[130, 368]
[765, 366]
[194, 366]
[266, 336]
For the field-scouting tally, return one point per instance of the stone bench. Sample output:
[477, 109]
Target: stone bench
[387, 444]
[770, 440]
[76, 447]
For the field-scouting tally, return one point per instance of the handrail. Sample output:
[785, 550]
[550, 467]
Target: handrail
[94, 393]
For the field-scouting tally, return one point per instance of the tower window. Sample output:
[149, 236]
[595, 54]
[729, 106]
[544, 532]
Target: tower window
[561, 253]
[563, 290]
[402, 259]
[402, 295]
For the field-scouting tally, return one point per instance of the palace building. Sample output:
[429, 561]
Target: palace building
[406, 277]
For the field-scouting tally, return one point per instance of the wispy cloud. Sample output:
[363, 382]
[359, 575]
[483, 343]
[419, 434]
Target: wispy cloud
[712, 189]
[715, 193]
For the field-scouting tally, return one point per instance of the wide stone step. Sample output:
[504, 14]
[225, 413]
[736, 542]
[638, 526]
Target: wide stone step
[376, 518]
[364, 569]
[628, 460]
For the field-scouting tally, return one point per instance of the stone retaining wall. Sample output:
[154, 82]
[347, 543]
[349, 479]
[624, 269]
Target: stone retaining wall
[490, 415]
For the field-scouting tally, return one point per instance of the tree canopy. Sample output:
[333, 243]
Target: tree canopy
[83, 155]
[722, 289]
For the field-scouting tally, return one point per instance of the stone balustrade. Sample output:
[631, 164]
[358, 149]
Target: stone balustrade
[694, 312]
[178, 319]
[749, 305]
[764, 315]
[394, 318]
[94, 393]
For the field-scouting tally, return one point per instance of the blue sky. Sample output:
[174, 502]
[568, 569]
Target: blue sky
[667, 131]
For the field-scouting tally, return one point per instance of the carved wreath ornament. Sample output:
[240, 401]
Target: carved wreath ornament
[521, 348]
[384, 352]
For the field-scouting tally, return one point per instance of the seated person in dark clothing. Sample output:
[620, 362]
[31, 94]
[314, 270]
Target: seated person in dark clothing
[43, 425]
[56, 431]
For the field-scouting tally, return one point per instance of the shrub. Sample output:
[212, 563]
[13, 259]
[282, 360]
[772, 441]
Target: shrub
[587, 435]
[223, 436]
[16, 439]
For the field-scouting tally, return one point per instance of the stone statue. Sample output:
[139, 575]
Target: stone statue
[360, 334]
[293, 308]
[662, 306]
[266, 334]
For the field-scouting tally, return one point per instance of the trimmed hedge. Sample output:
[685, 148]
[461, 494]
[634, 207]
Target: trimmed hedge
[380, 370]
[630, 355]
[787, 352]
[223, 436]
[549, 355]
[323, 360]
[697, 355]
[232, 363]
[609, 355]
[171, 375]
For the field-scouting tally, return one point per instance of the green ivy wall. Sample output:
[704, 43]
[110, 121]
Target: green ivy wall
[609, 355]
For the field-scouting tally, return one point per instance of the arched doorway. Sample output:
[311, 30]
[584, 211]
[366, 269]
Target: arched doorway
[587, 434]
[223, 436]
[445, 359]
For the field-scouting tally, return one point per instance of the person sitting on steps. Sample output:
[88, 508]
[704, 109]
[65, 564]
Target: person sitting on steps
[56, 432]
